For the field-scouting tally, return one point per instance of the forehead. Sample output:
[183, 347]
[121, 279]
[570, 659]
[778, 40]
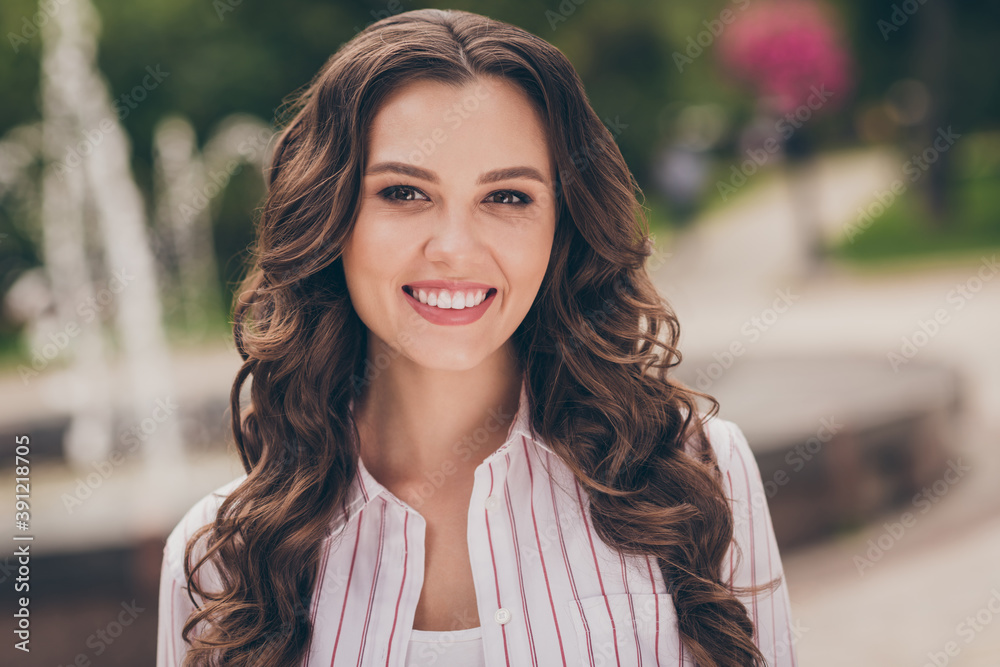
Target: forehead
[472, 127]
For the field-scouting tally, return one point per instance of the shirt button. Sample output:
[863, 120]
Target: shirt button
[492, 502]
[501, 616]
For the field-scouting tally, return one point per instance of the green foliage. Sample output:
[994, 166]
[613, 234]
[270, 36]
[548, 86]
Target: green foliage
[906, 231]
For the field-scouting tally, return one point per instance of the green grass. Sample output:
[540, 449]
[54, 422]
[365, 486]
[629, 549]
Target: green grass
[12, 351]
[906, 230]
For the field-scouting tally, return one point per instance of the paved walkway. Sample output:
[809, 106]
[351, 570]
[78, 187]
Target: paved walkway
[945, 567]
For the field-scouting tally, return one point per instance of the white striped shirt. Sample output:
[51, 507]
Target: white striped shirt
[549, 591]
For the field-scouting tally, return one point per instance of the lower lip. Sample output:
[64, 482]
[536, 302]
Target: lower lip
[448, 316]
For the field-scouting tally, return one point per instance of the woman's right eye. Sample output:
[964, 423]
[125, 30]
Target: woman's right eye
[400, 193]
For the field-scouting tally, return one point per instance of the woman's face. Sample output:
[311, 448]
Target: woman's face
[456, 222]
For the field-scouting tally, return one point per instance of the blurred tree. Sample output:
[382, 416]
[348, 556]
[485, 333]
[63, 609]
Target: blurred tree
[791, 54]
[946, 47]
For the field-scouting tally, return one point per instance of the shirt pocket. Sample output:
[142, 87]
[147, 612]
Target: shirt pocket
[625, 629]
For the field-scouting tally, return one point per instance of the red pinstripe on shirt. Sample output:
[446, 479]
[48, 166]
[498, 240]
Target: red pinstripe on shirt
[569, 571]
[320, 577]
[347, 588]
[375, 579]
[631, 608]
[517, 562]
[541, 554]
[656, 597]
[496, 576]
[600, 579]
[402, 587]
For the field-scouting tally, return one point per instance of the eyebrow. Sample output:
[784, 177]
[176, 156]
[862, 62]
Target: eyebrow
[489, 177]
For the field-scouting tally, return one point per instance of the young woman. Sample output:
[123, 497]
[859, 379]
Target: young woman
[462, 446]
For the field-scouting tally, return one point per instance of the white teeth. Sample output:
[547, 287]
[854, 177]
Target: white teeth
[454, 301]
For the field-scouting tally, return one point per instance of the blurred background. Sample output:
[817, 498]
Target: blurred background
[823, 183]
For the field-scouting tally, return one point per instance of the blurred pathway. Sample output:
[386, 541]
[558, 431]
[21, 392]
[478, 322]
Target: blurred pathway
[917, 597]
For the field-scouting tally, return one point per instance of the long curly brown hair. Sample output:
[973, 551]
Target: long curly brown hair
[596, 347]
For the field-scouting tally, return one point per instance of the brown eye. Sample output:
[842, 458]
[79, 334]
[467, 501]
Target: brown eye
[508, 197]
[399, 193]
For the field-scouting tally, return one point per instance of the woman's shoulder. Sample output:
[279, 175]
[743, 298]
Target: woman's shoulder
[201, 513]
[728, 442]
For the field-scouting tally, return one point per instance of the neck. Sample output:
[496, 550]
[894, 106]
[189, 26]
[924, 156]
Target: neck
[420, 425]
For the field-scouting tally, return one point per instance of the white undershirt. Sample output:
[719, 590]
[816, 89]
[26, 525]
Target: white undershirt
[449, 648]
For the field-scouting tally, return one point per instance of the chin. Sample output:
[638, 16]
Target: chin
[450, 357]
[452, 362]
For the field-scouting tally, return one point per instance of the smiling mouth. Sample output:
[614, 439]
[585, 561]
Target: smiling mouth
[449, 297]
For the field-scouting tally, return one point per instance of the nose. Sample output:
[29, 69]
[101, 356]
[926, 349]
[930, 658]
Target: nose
[453, 238]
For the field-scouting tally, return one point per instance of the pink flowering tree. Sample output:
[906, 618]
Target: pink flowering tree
[791, 55]
[788, 51]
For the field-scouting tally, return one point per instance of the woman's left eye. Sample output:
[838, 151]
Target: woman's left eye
[508, 196]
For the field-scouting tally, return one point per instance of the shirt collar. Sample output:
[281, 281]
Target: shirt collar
[365, 488]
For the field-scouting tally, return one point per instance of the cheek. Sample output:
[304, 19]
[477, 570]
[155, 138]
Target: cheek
[541, 251]
[528, 259]
[368, 273]
[362, 275]
[369, 253]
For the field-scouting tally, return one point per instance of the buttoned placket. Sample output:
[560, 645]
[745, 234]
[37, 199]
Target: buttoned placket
[487, 507]
[485, 513]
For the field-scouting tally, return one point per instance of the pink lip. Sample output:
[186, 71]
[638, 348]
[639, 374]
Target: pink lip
[447, 316]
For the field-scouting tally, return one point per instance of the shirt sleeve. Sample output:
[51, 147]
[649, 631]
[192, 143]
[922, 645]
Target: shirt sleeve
[174, 609]
[758, 560]
[175, 605]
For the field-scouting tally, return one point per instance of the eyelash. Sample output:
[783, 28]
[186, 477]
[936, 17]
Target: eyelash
[387, 193]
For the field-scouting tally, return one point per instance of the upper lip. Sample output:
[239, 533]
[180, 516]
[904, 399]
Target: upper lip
[451, 285]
